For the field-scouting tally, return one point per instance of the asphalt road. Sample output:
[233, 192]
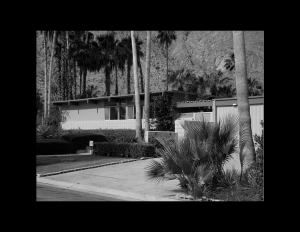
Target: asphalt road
[46, 192]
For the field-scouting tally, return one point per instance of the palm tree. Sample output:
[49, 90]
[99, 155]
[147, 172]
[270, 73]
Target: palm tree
[127, 44]
[165, 38]
[247, 145]
[137, 91]
[147, 82]
[119, 61]
[50, 71]
[45, 49]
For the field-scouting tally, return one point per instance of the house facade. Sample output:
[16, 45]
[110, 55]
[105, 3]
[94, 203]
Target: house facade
[111, 112]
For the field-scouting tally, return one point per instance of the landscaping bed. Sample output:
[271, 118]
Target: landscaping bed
[48, 164]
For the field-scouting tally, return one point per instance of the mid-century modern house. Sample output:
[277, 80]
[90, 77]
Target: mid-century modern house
[111, 112]
[118, 112]
[220, 107]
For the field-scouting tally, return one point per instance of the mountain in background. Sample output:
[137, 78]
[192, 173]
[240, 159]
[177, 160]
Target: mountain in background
[199, 51]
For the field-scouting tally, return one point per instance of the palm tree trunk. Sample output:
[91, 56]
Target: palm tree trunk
[128, 77]
[116, 91]
[50, 71]
[242, 98]
[45, 97]
[107, 81]
[80, 81]
[141, 73]
[147, 82]
[167, 68]
[138, 124]
[75, 84]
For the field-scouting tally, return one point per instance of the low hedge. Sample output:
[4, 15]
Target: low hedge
[81, 140]
[112, 135]
[132, 150]
[53, 147]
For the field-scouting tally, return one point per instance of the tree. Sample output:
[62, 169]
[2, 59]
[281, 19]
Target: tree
[147, 82]
[137, 91]
[45, 49]
[106, 47]
[119, 61]
[165, 38]
[51, 69]
[247, 152]
[127, 44]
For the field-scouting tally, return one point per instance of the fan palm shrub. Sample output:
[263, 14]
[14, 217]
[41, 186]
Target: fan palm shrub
[199, 156]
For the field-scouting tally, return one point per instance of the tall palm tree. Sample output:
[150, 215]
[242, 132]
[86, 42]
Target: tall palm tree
[165, 38]
[106, 47]
[51, 69]
[45, 49]
[247, 146]
[127, 44]
[147, 82]
[119, 61]
[137, 91]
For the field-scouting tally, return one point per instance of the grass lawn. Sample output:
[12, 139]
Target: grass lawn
[47, 164]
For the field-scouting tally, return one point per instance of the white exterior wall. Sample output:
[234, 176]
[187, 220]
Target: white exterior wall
[103, 124]
[256, 113]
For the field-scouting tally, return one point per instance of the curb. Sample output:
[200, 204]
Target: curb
[89, 167]
[93, 189]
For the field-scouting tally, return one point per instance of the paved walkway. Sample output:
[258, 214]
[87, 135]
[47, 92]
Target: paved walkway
[125, 180]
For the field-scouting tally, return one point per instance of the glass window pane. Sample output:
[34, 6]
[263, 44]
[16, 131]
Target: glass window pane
[113, 113]
[122, 112]
[106, 113]
[130, 112]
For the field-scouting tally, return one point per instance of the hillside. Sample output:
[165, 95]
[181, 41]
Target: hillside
[200, 51]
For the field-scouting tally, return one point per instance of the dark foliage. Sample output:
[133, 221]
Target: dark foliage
[163, 109]
[132, 150]
[112, 135]
[53, 147]
[81, 140]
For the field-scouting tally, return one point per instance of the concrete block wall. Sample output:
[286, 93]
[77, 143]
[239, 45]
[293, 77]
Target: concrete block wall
[107, 124]
[164, 134]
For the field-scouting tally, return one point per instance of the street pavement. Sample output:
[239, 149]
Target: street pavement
[123, 180]
[46, 192]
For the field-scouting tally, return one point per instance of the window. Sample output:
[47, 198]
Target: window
[122, 112]
[111, 113]
[131, 112]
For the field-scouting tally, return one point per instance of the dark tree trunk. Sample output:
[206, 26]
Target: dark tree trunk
[128, 77]
[107, 81]
[75, 83]
[167, 68]
[116, 91]
[141, 73]
[84, 81]
[80, 81]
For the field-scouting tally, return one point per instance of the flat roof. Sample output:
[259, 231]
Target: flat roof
[219, 102]
[117, 96]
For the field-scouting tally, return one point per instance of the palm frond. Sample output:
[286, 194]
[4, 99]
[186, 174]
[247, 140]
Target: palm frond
[155, 171]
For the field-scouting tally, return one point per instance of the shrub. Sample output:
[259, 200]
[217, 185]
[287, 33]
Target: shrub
[133, 150]
[53, 147]
[81, 140]
[45, 131]
[163, 109]
[112, 135]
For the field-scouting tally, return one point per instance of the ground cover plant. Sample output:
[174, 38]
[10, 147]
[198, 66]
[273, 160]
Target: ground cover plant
[81, 140]
[112, 135]
[132, 150]
[53, 146]
[48, 164]
[197, 161]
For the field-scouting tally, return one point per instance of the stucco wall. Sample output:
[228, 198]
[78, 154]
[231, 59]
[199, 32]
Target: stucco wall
[104, 124]
[85, 112]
